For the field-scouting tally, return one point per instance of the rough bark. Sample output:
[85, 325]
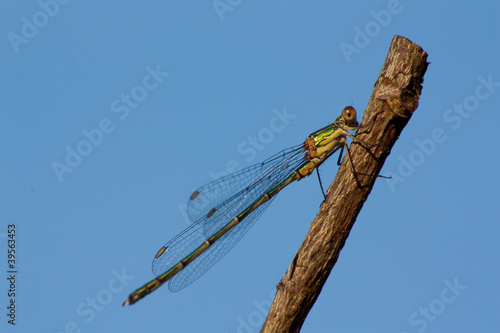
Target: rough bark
[393, 101]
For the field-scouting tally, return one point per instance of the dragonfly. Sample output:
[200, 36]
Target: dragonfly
[224, 210]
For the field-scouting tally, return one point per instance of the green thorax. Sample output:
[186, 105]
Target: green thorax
[326, 132]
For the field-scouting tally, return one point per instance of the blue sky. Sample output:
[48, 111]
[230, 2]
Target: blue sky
[113, 113]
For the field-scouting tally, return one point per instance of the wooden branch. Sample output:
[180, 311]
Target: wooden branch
[394, 99]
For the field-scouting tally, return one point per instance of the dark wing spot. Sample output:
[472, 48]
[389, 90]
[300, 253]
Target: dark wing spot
[211, 212]
[160, 252]
[194, 195]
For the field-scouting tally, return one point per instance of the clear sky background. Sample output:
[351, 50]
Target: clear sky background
[424, 253]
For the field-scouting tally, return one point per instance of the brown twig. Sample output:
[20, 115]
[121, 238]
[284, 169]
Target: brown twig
[394, 99]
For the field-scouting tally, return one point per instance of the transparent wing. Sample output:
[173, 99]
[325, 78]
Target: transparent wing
[231, 195]
[215, 193]
[215, 252]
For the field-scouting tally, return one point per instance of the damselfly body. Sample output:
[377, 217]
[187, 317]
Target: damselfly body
[225, 209]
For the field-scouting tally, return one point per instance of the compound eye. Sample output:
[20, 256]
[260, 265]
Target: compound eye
[349, 113]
